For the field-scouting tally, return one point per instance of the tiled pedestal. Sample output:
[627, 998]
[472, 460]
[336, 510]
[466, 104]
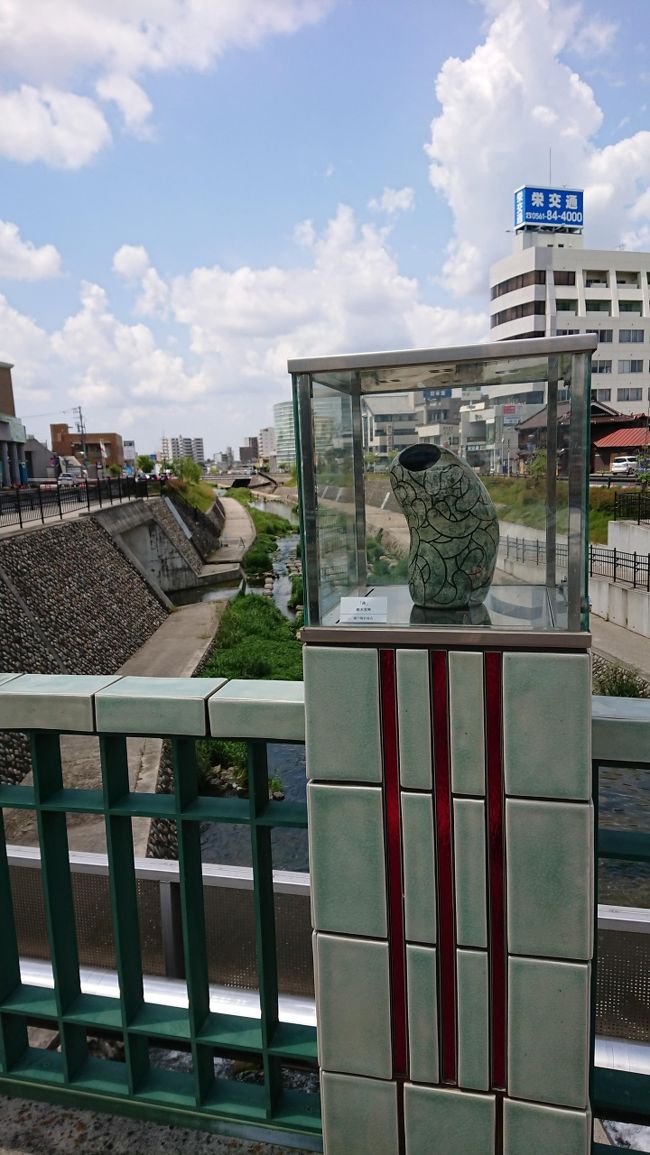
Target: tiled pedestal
[451, 835]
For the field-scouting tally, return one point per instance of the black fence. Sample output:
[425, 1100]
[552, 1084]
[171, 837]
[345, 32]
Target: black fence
[632, 507]
[41, 503]
[617, 564]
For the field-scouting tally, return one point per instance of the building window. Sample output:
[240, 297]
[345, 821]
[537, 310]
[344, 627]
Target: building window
[560, 277]
[629, 279]
[629, 394]
[601, 366]
[596, 278]
[566, 306]
[531, 308]
[604, 335]
[631, 336]
[630, 366]
[599, 307]
[601, 394]
[522, 281]
[629, 307]
[566, 332]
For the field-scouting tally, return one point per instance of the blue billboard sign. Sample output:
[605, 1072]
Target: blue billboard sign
[559, 208]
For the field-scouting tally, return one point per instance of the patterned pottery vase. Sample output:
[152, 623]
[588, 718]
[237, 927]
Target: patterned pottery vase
[453, 525]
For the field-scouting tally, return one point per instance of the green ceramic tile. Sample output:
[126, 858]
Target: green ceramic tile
[419, 868]
[473, 1020]
[414, 716]
[549, 855]
[451, 1122]
[346, 852]
[528, 1128]
[466, 720]
[422, 995]
[359, 1116]
[50, 702]
[547, 725]
[257, 709]
[471, 873]
[342, 714]
[548, 1031]
[353, 1006]
[155, 706]
[621, 729]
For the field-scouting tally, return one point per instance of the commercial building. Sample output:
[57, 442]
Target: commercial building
[552, 285]
[96, 450]
[285, 437]
[249, 451]
[13, 467]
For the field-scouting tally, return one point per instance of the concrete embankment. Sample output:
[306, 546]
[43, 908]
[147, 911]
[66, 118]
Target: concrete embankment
[74, 600]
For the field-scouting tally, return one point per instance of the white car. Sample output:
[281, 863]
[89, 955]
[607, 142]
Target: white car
[625, 465]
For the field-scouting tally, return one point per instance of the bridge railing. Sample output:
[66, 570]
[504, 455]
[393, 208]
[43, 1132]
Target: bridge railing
[77, 1005]
[620, 1086]
[183, 1001]
[42, 503]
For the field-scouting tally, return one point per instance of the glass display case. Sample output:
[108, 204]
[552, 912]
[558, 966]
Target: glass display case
[446, 488]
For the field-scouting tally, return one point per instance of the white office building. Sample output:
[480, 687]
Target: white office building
[551, 284]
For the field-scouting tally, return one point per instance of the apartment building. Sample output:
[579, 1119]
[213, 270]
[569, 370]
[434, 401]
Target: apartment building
[173, 448]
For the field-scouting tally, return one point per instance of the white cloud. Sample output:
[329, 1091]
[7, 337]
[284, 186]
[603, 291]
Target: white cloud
[503, 107]
[23, 260]
[59, 128]
[130, 98]
[235, 331]
[131, 261]
[54, 49]
[595, 37]
[394, 200]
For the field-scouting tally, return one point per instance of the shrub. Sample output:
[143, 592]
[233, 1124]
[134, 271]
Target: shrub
[618, 681]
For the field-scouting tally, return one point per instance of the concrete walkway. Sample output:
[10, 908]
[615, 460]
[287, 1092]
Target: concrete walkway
[621, 645]
[238, 533]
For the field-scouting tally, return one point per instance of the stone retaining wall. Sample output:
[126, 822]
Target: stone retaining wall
[70, 602]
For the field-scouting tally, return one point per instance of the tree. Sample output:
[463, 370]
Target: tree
[114, 469]
[143, 463]
[538, 465]
[187, 469]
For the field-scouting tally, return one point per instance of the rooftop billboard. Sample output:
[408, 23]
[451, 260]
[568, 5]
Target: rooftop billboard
[540, 207]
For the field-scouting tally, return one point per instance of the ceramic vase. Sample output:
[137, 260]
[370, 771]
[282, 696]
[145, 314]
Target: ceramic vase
[453, 526]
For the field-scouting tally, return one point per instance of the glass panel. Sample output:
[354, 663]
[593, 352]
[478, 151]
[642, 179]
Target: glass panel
[454, 490]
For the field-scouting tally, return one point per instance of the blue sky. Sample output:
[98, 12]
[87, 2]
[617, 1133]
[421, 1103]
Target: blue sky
[194, 191]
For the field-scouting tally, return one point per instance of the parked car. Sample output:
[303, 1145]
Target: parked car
[627, 465]
[67, 479]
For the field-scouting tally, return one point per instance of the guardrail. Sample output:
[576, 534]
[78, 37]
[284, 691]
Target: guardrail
[184, 711]
[632, 507]
[37, 504]
[617, 564]
[620, 1090]
[182, 1000]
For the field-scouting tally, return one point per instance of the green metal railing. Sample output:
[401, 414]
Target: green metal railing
[135, 1087]
[621, 737]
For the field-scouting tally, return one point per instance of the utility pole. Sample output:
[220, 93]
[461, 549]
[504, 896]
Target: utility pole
[81, 429]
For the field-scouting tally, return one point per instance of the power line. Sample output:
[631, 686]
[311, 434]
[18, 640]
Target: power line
[52, 413]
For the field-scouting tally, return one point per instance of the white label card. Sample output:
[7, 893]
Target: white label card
[364, 610]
